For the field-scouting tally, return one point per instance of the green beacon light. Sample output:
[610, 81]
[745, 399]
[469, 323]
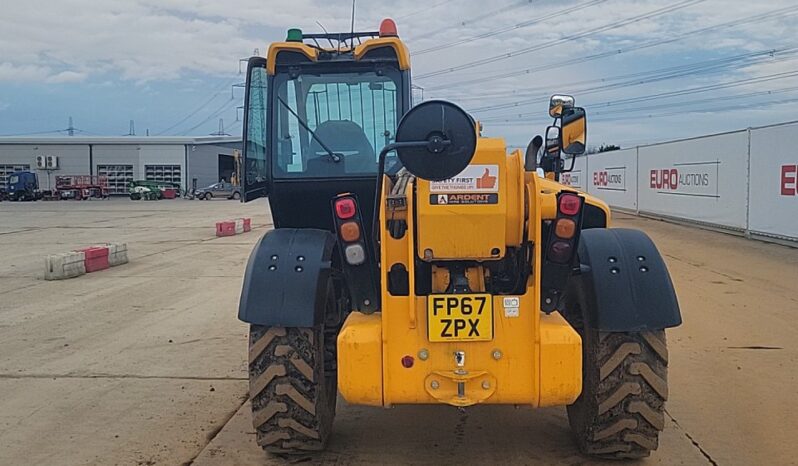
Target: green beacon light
[294, 35]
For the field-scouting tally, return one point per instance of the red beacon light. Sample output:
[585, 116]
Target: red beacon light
[388, 28]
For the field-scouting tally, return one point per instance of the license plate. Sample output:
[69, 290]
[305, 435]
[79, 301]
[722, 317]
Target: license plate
[460, 317]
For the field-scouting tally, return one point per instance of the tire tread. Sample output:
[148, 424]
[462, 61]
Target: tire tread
[292, 414]
[621, 409]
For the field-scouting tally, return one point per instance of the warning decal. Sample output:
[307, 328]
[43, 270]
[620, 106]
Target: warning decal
[463, 199]
[475, 178]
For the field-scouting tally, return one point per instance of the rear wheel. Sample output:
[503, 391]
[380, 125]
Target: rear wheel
[293, 386]
[236, 195]
[620, 412]
[208, 196]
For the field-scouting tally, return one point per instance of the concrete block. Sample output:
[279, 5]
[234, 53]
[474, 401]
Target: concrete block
[64, 265]
[117, 254]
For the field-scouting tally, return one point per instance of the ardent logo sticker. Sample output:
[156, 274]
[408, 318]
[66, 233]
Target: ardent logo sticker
[475, 178]
[463, 199]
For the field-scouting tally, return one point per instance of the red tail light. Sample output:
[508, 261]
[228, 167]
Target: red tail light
[570, 204]
[345, 208]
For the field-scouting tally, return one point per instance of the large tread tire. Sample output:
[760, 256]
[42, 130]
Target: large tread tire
[293, 400]
[293, 383]
[621, 410]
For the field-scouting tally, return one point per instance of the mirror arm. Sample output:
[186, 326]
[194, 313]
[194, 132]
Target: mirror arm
[573, 162]
[375, 233]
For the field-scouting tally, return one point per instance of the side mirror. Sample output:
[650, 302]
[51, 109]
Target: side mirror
[436, 140]
[552, 140]
[558, 103]
[574, 131]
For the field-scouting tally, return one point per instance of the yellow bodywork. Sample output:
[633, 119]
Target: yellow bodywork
[387, 358]
[312, 53]
[533, 359]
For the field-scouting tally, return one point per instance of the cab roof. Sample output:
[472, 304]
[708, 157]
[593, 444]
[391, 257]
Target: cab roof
[383, 45]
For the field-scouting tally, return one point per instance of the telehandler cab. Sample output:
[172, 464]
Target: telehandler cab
[415, 262]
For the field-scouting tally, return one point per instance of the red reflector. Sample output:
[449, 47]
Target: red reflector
[388, 28]
[407, 362]
[345, 208]
[560, 252]
[569, 204]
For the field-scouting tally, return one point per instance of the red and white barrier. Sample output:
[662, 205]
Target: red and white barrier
[233, 227]
[65, 265]
[96, 258]
[92, 259]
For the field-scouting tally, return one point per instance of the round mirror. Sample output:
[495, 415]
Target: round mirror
[450, 135]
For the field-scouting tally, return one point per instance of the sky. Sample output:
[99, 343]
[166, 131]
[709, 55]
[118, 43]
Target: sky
[645, 71]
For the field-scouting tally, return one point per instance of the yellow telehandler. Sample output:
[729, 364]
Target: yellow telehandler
[415, 262]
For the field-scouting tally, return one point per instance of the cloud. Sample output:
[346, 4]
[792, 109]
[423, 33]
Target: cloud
[147, 42]
[66, 77]
[22, 73]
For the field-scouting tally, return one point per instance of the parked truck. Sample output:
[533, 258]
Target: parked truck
[23, 186]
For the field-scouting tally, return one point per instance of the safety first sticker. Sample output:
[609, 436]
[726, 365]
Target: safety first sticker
[475, 178]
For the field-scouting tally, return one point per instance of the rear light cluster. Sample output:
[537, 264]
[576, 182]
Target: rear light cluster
[560, 252]
[349, 229]
[360, 271]
[562, 242]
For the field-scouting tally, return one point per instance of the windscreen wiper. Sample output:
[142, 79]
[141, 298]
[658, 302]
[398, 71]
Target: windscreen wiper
[333, 156]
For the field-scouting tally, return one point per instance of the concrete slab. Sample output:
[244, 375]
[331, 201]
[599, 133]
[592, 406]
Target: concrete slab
[436, 435]
[134, 351]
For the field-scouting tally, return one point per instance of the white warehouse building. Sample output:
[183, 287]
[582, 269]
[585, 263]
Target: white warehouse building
[181, 159]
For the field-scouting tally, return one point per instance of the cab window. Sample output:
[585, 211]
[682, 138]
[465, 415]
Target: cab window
[333, 124]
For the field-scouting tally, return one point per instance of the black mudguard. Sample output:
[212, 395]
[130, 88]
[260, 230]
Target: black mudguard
[286, 278]
[624, 285]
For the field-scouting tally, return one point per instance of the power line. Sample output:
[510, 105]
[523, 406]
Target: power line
[660, 74]
[520, 25]
[778, 13]
[745, 106]
[496, 12]
[474, 19]
[624, 114]
[216, 93]
[732, 62]
[217, 112]
[697, 102]
[70, 130]
[727, 108]
[34, 133]
[424, 10]
[569, 38]
[670, 94]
